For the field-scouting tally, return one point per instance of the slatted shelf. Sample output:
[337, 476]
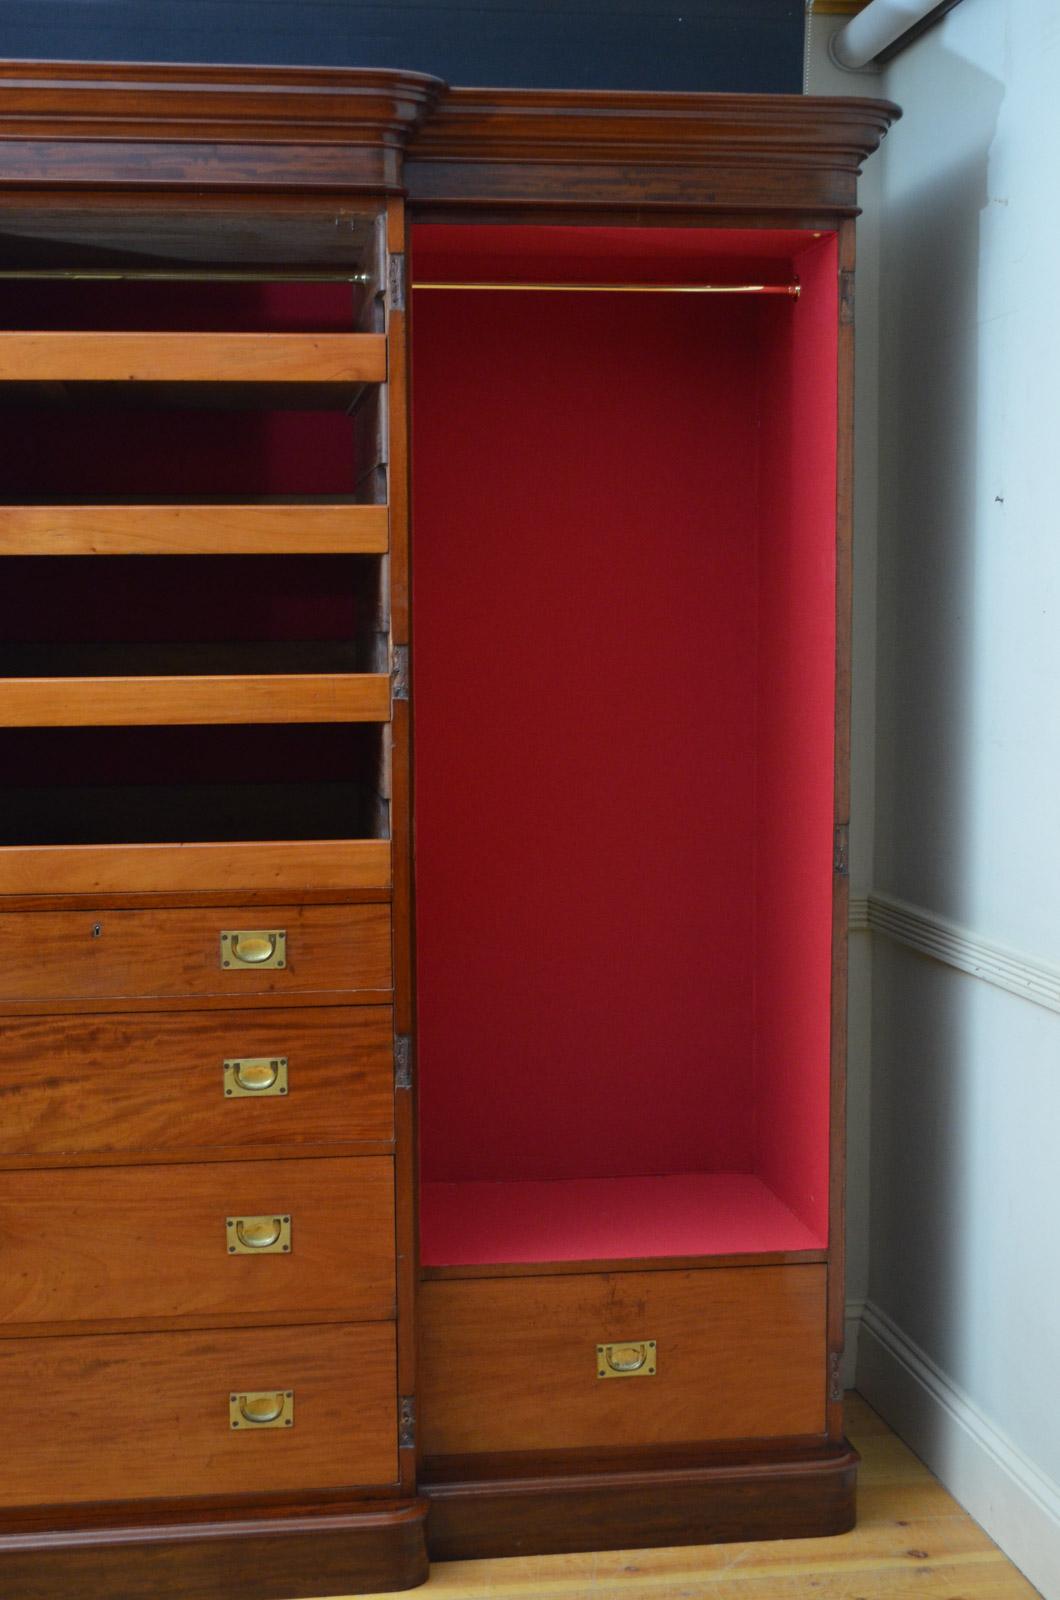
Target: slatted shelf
[116, 530]
[171, 700]
[285, 866]
[272, 358]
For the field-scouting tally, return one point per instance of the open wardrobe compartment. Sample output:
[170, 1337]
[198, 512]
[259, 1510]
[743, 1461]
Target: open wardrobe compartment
[424, 693]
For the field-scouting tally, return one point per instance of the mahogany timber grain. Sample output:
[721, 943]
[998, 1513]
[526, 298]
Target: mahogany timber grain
[149, 1085]
[279, 866]
[60, 357]
[401, 827]
[579, 152]
[552, 1269]
[372, 1547]
[151, 1413]
[186, 701]
[844, 601]
[644, 1505]
[160, 530]
[139, 1244]
[287, 130]
[69, 955]
[509, 1364]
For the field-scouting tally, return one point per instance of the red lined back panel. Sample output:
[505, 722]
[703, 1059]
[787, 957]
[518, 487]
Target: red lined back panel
[587, 530]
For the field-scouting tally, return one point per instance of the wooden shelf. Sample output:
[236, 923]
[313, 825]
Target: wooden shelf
[117, 530]
[154, 701]
[278, 866]
[317, 358]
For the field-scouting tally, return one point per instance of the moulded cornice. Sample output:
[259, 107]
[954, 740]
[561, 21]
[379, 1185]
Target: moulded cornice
[120, 125]
[170, 125]
[702, 151]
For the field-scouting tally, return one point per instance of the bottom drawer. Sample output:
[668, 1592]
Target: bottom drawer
[511, 1363]
[127, 1416]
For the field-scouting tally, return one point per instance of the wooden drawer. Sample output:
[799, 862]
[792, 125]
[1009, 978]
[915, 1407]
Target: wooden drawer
[511, 1363]
[85, 956]
[108, 1244]
[153, 1084]
[143, 1415]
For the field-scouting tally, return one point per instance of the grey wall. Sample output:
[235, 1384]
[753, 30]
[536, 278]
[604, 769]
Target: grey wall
[961, 1331]
[740, 45]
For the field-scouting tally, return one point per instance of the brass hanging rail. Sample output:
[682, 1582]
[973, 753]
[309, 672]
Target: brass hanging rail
[791, 289]
[182, 275]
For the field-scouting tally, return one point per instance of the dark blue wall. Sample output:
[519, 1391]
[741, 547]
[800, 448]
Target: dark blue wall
[738, 45]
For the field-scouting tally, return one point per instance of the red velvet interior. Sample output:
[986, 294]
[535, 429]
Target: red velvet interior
[114, 452]
[624, 604]
[796, 695]
[602, 1219]
[67, 599]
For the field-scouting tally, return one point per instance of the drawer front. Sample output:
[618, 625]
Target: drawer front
[155, 1084]
[105, 1244]
[79, 955]
[511, 1363]
[106, 1418]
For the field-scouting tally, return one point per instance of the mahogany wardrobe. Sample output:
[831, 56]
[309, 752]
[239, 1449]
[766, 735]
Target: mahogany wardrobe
[424, 686]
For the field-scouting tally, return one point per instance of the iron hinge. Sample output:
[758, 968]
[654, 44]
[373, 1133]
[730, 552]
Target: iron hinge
[841, 859]
[407, 1422]
[402, 1061]
[835, 1375]
[399, 674]
[846, 297]
[395, 279]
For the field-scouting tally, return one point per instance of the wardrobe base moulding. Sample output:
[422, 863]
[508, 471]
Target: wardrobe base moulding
[639, 1505]
[336, 1551]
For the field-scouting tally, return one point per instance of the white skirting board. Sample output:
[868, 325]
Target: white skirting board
[855, 1312]
[994, 1481]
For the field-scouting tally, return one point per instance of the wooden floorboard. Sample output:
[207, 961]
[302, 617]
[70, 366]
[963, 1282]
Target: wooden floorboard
[912, 1542]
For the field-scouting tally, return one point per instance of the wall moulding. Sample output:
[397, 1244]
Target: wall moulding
[936, 936]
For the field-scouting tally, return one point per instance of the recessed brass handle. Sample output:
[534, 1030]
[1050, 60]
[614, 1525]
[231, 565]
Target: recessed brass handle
[262, 1408]
[633, 1359]
[254, 947]
[250, 1075]
[249, 1236]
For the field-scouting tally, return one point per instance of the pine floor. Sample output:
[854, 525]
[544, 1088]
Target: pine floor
[912, 1542]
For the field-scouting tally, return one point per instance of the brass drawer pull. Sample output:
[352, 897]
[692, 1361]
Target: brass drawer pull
[258, 1236]
[255, 1075]
[262, 1408]
[633, 1359]
[254, 947]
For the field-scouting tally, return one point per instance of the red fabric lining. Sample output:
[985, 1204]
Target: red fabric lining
[602, 1219]
[796, 764]
[624, 652]
[584, 745]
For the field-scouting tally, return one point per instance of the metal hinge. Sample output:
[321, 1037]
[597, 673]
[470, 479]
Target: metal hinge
[399, 674]
[835, 1375]
[841, 859]
[395, 279]
[407, 1422]
[846, 297]
[402, 1061]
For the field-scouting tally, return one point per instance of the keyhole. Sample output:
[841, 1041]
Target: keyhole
[97, 929]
